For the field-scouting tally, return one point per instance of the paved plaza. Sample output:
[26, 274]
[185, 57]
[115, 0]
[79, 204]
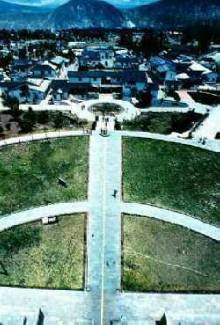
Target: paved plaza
[102, 301]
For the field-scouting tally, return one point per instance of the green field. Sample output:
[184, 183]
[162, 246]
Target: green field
[172, 176]
[163, 123]
[30, 172]
[161, 257]
[38, 256]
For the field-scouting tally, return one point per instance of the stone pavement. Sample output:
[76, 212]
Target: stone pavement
[40, 136]
[31, 215]
[102, 301]
[210, 126]
[104, 227]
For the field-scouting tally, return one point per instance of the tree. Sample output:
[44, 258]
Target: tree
[28, 121]
[1, 130]
[11, 102]
[144, 98]
[58, 120]
[25, 91]
[43, 117]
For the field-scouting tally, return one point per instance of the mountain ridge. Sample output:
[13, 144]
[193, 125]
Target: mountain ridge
[175, 13]
[161, 14]
[86, 13]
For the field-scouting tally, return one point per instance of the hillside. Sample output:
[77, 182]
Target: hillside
[21, 16]
[175, 13]
[85, 14]
[95, 13]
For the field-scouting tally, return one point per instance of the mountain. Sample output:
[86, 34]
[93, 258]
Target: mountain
[21, 16]
[96, 13]
[175, 13]
[86, 14]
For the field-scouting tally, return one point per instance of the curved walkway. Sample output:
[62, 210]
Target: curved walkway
[40, 136]
[175, 109]
[211, 145]
[53, 210]
[172, 217]
[128, 111]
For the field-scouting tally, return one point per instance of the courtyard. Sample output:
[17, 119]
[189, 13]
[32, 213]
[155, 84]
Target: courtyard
[127, 247]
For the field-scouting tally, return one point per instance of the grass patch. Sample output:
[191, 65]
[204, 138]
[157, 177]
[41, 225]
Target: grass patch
[162, 257]
[38, 256]
[29, 173]
[163, 123]
[172, 176]
[13, 123]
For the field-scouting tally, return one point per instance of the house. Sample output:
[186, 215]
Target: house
[127, 62]
[30, 91]
[61, 89]
[38, 89]
[161, 66]
[45, 70]
[3, 76]
[196, 69]
[214, 57]
[96, 57]
[182, 63]
[76, 45]
[59, 61]
[21, 69]
[12, 88]
[210, 76]
[170, 81]
[111, 81]
[182, 80]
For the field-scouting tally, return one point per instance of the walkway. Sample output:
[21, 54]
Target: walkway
[53, 210]
[178, 109]
[83, 108]
[210, 126]
[210, 145]
[40, 136]
[172, 217]
[104, 228]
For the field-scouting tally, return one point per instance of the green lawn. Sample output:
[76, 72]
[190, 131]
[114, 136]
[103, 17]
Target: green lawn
[51, 256]
[172, 176]
[29, 173]
[162, 257]
[163, 123]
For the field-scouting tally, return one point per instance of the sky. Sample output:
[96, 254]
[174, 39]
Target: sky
[120, 3]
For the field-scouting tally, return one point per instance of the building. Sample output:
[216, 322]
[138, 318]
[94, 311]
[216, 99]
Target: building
[45, 70]
[111, 81]
[97, 57]
[30, 91]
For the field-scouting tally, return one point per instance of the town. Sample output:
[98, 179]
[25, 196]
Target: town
[110, 177]
[42, 71]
